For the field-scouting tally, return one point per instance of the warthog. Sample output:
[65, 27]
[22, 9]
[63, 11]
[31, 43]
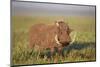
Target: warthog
[42, 36]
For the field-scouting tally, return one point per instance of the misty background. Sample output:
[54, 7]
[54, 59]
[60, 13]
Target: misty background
[45, 9]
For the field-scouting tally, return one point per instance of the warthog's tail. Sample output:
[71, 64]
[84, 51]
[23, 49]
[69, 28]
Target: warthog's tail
[74, 37]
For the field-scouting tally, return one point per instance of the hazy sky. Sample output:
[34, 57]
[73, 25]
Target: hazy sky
[43, 9]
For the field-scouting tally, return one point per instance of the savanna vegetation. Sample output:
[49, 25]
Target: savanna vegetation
[83, 48]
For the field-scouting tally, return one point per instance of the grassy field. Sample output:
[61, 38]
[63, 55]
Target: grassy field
[83, 49]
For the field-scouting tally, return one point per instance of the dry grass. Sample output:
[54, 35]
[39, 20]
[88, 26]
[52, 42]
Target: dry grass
[83, 49]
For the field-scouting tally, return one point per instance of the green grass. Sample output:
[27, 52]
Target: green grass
[83, 49]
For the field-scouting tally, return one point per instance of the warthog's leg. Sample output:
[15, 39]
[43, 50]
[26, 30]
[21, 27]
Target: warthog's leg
[49, 53]
[59, 51]
[52, 51]
[46, 53]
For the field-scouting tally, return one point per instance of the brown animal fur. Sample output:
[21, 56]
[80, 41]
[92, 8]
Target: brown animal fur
[41, 36]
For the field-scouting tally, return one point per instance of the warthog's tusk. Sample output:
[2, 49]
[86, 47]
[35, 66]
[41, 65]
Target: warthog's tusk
[74, 38]
[57, 41]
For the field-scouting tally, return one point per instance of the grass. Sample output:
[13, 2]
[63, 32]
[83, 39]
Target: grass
[83, 49]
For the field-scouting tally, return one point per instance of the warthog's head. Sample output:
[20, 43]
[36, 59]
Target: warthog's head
[62, 36]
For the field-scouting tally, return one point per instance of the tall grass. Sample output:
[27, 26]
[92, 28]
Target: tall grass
[83, 49]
